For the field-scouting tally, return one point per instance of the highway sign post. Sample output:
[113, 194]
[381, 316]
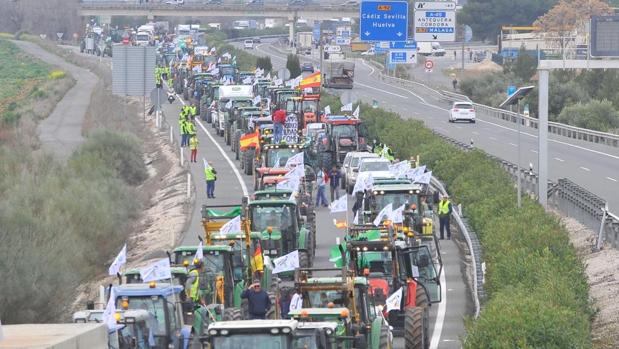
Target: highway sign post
[402, 56]
[383, 21]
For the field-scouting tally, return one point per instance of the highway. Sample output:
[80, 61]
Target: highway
[593, 166]
[446, 318]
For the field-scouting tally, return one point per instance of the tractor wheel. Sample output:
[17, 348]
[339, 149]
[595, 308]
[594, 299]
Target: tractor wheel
[236, 139]
[227, 135]
[232, 314]
[304, 260]
[241, 162]
[256, 181]
[209, 115]
[203, 113]
[415, 328]
[271, 313]
[343, 183]
[384, 342]
[421, 298]
[248, 159]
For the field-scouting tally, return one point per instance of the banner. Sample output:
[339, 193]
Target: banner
[160, 270]
[347, 107]
[394, 301]
[339, 205]
[424, 178]
[397, 215]
[119, 261]
[385, 212]
[286, 263]
[291, 129]
[231, 226]
[295, 160]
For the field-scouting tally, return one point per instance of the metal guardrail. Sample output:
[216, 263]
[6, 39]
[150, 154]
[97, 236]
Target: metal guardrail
[474, 247]
[147, 6]
[557, 128]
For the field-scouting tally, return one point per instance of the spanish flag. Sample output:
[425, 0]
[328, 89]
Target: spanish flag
[257, 262]
[311, 81]
[250, 140]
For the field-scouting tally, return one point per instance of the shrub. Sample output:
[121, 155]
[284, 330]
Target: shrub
[264, 63]
[594, 115]
[56, 74]
[293, 65]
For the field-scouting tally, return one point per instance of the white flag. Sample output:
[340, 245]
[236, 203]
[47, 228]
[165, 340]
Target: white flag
[197, 69]
[110, 311]
[247, 81]
[295, 160]
[160, 270]
[328, 110]
[298, 173]
[231, 226]
[287, 262]
[288, 184]
[228, 104]
[258, 72]
[219, 60]
[205, 163]
[385, 212]
[226, 55]
[415, 172]
[365, 181]
[399, 170]
[199, 253]
[356, 220]
[256, 100]
[268, 76]
[347, 107]
[215, 71]
[293, 196]
[296, 81]
[424, 178]
[119, 261]
[355, 114]
[397, 215]
[394, 301]
[339, 205]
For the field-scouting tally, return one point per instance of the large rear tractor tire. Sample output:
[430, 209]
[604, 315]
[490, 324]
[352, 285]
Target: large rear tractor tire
[227, 135]
[415, 328]
[421, 298]
[232, 314]
[271, 313]
[304, 260]
[385, 341]
[248, 159]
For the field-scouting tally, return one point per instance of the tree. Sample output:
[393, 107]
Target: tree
[524, 66]
[593, 115]
[487, 16]
[293, 65]
[264, 63]
[568, 17]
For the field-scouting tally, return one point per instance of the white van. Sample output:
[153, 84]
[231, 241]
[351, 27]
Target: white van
[248, 44]
[229, 97]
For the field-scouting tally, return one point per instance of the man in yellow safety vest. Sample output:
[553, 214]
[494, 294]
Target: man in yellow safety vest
[192, 285]
[444, 212]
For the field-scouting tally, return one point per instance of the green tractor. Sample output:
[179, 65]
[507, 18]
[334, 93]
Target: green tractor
[259, 334]
[243, 117]
[260, 87]
[208, 101]
[232, 114]
[264, 125]
[179, 276]
[133, 326]
[335, 323]
[366, 328]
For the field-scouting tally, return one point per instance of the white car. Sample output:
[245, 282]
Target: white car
[350, 168]
[377, 167]
[175, 2]
[462, 111]
[248, 44]
[369, 52]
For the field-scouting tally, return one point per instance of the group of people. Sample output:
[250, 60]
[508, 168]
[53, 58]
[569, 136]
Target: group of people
[383, 150]
[326, 177]
[188, 130]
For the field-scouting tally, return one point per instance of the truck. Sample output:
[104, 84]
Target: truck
[430, 49]
[304, 43]
[338, 74]
[144, 38]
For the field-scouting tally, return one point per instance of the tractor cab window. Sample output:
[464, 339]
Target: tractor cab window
[258, 340]
[320, 299]
[309, 106]
[306, 339]
[379, 264]
[277, 157]
[417, 263]
[227, 71]
[280, 218]
[290, 106]
[242, 103]
[155, 305]
[339, 131]
[397, 199]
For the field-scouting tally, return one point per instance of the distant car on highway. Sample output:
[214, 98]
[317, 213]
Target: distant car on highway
[297, 2]
[248, 44]
[257, 40]
[462, 111]
[255, 3]
[350, 3]
[307, 66]
[175, 2]
[370, 52]
[213, 2]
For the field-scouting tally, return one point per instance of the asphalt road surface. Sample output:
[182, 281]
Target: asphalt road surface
[446, 318]
[593, 166]
[61, 132]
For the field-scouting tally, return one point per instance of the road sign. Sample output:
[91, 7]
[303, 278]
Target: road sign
[468, 33]
[381, 46]
[133, 70]
[511, 90]
[604, 36]
[316, 31]
[383, 20]
[59, 35]
[402, 56]
[428, 65]
[435, 5]
[435, 25]
[403, 45]
[342, 41]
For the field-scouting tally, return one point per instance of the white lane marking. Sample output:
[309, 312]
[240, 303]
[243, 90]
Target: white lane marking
[559, 159]
[611, 179]
[377, 89]
[234, 169]
[534, 151]
[440, 313]
[369, 66]
[513, 145]
[585, 169]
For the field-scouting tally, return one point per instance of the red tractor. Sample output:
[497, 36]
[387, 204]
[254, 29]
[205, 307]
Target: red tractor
[342, 135]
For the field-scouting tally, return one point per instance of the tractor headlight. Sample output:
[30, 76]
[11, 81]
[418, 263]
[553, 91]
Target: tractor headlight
[285, 330]
[212, 332]
[274, 330]
[224, 332]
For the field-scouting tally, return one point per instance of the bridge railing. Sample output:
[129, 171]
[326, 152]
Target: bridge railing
[86, 5]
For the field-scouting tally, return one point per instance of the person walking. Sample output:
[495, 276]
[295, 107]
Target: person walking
[279, 119]
[334, 183]
[321, 183]
[454, 82]
[210, 174]
[444, 212]
[193, 146]
[258, 301]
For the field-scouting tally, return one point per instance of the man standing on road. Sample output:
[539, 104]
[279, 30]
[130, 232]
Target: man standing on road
[193, 146]
[210, 176]
[258, 301]
[321, 182]
[279, 119]
[444, 212]
[334, 183]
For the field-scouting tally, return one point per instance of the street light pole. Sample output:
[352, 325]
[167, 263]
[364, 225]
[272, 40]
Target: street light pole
[519, 172]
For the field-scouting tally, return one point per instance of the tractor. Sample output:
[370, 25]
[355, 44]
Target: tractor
[133, 326]
[179, 276]
[264, 126]
[343, 134]
[365, 328]
[258, 334]
[242, 118]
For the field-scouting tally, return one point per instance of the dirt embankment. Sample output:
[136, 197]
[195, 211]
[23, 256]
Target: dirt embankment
[602, 268]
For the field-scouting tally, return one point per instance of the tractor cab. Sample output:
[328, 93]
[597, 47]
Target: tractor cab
[179, 276]
[244, 75]
[258, 334]
[343, 135]
[228, 72]
[260, 87]
[309, 108]
[318, 335]
[133, 326]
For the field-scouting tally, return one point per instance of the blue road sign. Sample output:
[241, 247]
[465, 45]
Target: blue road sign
[316, 31]
[383, 20]
[511, 90]
[396, 57]
[403, 45]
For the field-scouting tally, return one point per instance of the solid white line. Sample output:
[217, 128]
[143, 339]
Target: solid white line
[513, 145]
[440, 313]
[611, 179]
[377, 89]
[559, 159]
[369, 66]
[234, 169]
[585, 169]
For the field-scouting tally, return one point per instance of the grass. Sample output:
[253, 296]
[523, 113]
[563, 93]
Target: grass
[19, 72]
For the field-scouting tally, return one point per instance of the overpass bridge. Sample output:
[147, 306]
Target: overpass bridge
[153, 10]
